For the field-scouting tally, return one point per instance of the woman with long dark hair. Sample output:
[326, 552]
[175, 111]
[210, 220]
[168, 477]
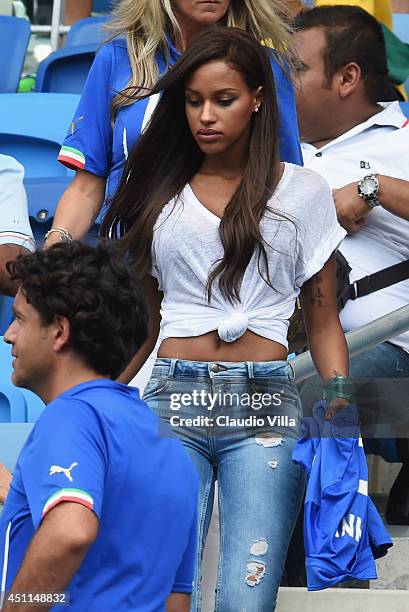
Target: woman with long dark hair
[147, 38]
[225, 237]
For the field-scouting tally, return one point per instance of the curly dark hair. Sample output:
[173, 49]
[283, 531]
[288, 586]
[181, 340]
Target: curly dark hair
[96, 291]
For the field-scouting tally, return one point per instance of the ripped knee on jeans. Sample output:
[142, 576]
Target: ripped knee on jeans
[255, 572]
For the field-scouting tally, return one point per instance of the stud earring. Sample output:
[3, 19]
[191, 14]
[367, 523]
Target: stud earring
[256, 109]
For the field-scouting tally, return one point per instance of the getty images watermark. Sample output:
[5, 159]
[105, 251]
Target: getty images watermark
[256, 401]
[214, 401]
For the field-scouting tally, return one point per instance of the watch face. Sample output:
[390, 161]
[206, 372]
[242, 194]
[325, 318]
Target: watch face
[368, 187]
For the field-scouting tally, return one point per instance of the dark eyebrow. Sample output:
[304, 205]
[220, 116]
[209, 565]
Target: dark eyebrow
[219, 91]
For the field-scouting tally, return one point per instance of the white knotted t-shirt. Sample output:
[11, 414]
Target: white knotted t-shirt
[300, 232]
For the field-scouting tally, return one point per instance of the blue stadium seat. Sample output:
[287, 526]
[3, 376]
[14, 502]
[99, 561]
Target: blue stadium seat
[12, 405]
[6, 315]
[32, 128]
[87, 31]
[102, 6]
[5, 362]
[14, 36]
[34, 405]
[401, 26]
[65, 70]
[12, 439]
[16, 404]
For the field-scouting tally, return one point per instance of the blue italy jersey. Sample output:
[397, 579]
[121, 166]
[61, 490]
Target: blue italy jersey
[98, 445]
[93, 144]
[343, 532]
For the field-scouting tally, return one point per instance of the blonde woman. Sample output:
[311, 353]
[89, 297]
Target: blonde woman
[148, 37]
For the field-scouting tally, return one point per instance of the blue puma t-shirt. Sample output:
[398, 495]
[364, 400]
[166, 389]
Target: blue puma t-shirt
[98, 445]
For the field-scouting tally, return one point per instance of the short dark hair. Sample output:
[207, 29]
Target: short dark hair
[352, 35]
[96, 291]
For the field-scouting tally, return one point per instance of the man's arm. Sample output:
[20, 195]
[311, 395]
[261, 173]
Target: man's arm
[394, 195]
[55, 552]
[77, 9]
[15, 230]
[8, 252]
[5, 480]
[178, 602]
[351, 208]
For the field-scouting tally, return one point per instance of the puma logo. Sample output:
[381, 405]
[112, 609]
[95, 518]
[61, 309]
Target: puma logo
[56, 469]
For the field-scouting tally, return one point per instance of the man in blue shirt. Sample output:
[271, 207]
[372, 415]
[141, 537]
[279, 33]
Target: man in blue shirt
[101, 511]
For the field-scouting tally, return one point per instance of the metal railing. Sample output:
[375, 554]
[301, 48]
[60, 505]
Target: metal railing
[359, 340]
[56, 28]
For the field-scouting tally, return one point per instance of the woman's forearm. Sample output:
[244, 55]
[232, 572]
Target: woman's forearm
[153, 302]
[326, 339]
[329, 351]
[79, 206]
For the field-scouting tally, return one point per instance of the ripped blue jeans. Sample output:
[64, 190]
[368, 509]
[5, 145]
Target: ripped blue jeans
[240, 422]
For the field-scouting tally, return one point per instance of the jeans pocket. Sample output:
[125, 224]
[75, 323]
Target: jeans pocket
[278, 404]
[154, 387]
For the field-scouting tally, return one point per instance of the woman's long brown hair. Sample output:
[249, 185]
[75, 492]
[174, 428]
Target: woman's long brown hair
[166, 157]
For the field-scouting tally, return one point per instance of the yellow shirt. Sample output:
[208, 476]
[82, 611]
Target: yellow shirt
[381, 9]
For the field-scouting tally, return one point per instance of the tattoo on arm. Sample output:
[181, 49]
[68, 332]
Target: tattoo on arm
[314, 292]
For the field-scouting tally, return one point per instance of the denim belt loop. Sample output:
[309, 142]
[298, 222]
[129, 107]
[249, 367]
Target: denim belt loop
[291, 371]
[172, 367]
[250, 369]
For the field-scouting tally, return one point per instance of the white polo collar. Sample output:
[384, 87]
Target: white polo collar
[392, 115]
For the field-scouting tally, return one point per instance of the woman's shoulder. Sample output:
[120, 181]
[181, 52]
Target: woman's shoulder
[116, 52]
[297, 177]
[112, 63]
[115, 48]
[172, 208]
[300, 191]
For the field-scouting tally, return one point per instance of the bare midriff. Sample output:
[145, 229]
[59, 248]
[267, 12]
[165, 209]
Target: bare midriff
[209, 347]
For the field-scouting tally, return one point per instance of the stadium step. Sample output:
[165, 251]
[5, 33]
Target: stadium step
[389, 593]
[342, 600]
[393, 569]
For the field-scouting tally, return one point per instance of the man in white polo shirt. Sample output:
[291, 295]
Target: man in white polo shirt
[362, 148]
[15, 232]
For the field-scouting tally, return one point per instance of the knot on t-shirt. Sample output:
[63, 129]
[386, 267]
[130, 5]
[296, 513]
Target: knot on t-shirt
[233, 327]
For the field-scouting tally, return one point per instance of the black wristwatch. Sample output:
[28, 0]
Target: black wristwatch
[368, 189]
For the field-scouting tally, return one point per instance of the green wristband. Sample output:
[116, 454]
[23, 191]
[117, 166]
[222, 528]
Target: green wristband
[340, 386]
